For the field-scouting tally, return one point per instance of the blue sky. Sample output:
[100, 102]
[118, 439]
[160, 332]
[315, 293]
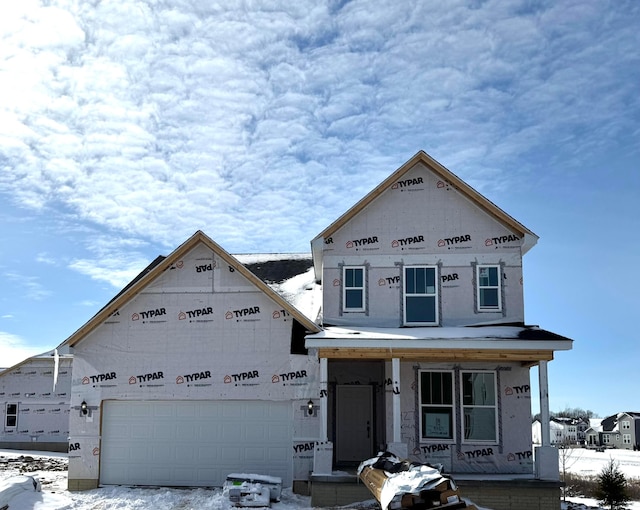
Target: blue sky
[125, 126]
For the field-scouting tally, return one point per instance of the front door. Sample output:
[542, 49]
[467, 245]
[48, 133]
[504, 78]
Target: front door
[354, 423]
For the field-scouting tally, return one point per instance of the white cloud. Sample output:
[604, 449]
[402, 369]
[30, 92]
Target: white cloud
[154, 121]
[15, 349]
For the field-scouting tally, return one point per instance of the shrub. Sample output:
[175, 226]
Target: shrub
[612, 486]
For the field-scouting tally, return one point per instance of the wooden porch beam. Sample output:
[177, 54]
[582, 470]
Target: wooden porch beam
[526, 357]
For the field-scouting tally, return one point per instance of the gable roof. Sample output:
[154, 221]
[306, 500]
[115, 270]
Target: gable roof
[530, 239]
[160, 264]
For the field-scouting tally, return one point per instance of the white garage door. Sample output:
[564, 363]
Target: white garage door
[194, 443]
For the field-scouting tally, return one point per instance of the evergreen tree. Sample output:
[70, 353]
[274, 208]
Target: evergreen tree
[612, 486]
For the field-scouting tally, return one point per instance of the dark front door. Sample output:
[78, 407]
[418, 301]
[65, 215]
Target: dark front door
[354, 423]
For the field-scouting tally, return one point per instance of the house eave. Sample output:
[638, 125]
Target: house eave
[436, 344]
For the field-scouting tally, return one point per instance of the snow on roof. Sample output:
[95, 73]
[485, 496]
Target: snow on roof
[253, 258]
[291, 276]
[493, 338]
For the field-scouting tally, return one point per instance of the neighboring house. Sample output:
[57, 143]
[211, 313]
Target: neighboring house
[564, 431]
[196, 370]
[592, 434]
[621, 430]
[424, 349]
[34, 403]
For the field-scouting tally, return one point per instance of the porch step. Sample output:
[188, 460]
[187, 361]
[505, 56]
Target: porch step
[338, 490]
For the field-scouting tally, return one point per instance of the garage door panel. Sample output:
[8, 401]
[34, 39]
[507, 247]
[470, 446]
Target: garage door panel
[194, 443]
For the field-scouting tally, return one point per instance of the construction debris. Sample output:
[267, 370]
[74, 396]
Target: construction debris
[403, 484]
[252, 490]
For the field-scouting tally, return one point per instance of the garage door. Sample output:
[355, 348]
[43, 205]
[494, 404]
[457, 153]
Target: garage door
[194, 443]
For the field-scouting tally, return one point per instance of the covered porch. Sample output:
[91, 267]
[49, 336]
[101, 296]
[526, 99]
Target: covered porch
[375, 409]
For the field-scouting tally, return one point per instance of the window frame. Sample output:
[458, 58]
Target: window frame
[479, 288]
[362, 289]
[451, 407]
[7, 414]
[473, 406]
[435, 295]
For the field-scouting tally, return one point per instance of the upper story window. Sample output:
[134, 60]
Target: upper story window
[479, 406]
[626, 425]
[489, 288]
[11, 416]
[353, 289]
[436, 405]
[420, 295]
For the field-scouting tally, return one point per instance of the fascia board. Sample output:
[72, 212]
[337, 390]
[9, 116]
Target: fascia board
[449, 344]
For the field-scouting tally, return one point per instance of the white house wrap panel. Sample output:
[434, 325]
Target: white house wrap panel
[201, 336]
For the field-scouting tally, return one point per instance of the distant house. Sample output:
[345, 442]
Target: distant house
[34, 403]
[564, 431]
[621, 430]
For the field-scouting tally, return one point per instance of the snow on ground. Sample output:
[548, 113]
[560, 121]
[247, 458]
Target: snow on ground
[50, 469]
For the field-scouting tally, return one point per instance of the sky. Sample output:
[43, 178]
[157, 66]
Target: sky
[126, 126]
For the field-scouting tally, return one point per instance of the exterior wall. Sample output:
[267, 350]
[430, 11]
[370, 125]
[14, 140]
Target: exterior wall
[512, 453]
[200, 331]
[422, 220]
[43, 410]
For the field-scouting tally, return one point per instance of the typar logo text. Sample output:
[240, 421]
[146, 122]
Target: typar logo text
[291, 378]
[196, 378]
[197, 315]
[501, 240]
[149, 316]
[454, 241]
[99, 378]
[245, 314]
[364, 243]
[242, 377]
[407, 242]
[407, 184]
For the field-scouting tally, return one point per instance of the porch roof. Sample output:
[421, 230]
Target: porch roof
[525, 344]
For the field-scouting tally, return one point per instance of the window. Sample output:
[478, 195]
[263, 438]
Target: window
[626, 438]
[606, 439]
[489, 291]
[625, 425]
[479, 406]
[436, 405]
[353, 289]
[11, 416]
[420, 295]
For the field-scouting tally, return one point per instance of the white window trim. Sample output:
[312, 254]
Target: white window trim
[626, 438]
[436, 295]
[625, 425]
[452, 439]
[499, 287]
[363, 289]
[6, 415]
[494, 407]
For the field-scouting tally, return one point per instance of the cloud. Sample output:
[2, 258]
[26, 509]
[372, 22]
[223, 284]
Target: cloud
[14, 349]
[259, 126]
[29, 286]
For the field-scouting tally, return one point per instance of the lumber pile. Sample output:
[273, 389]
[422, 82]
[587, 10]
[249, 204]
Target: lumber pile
[402, 484]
